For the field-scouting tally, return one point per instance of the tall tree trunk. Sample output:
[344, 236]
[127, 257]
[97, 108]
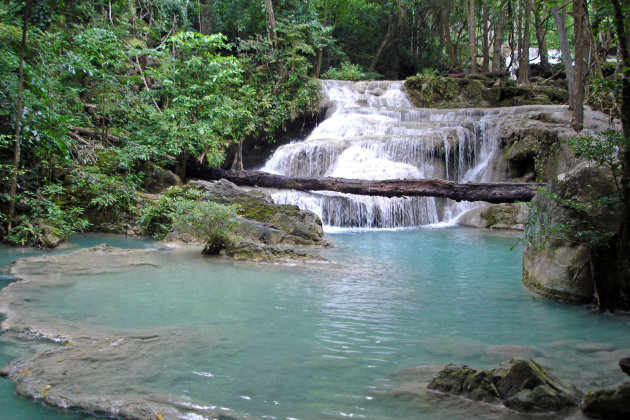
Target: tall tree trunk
[582, 55]
[541, 35]
[18, 118]
[560, 19]
[497, 57]
[271, 24]
[320, 53]
[472, 36]
[237, 163]
[444, 12]
[612, 261]
[523, 65]
[205, 16]
[485, 31]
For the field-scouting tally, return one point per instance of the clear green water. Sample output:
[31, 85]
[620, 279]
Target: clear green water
[323, 341]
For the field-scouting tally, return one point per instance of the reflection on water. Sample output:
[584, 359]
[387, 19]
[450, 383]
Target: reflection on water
[322, 341]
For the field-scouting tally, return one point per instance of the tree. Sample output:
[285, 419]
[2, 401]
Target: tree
[523, 55]
[582, 56]
[472, 37]
[18, 117]
[320, 53]
[271, 24]
[560, 19]
[612, 261]
[497, 57]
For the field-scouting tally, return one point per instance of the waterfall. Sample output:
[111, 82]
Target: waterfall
[373, 132]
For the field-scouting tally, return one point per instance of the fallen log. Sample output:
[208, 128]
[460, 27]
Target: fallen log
[463, 74]
[94, 134]
[491, 192]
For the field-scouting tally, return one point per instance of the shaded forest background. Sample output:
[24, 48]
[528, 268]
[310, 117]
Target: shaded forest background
[93, 93]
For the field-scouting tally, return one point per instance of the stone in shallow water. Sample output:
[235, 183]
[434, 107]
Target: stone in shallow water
[463, 380]
[524, 385]
[611, 403]
[520, 384]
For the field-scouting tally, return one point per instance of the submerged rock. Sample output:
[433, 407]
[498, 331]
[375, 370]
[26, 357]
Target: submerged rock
[520, 384]
[250, 251]
[611, 403]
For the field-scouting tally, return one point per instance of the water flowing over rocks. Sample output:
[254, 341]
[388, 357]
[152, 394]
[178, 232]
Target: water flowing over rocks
[373, 132]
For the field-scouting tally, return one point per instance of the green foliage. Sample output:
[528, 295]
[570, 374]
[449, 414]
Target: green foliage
[44, 211]
[346, 71]
[601, 149]
[155, 217]
[212, 222]
[184, 210]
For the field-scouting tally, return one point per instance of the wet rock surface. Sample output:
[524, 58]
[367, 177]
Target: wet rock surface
[520, 384]
[261, 220]
[609, 403]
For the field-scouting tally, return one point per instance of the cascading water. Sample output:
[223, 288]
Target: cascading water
[373, 132]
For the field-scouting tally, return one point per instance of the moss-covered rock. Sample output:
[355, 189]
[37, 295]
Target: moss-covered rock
[526, 386]
[49, 236]
[444, 92]
[263, 220]
[611, 403]
[496, 216]
[476, 90]
[472, 383]
[520, 384]
[555, 261]
[157, 179]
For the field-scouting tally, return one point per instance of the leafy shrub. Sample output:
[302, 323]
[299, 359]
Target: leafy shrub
[347, 71]
[208, 220]
[43, 209]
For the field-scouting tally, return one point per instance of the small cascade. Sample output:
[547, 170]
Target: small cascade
[373, 132]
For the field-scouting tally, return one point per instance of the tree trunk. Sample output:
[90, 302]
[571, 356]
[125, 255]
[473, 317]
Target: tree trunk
[237, 163]
[523, 65]
[320, 53]
[580, 19]
[485, 44]
[541, 35]
[205, 16]
[560, 20]
[444, 12]
[271, 24]
[472, 36]
[611, 267]
[497, 57]
[490, 192]
[18, 119]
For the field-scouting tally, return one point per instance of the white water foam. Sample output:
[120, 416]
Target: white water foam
[373, 132]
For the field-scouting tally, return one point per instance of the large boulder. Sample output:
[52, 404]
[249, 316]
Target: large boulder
[261, 220]
[526, 386]
[520, 384]
[157, 179]
[555, 261]
[496, 216]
